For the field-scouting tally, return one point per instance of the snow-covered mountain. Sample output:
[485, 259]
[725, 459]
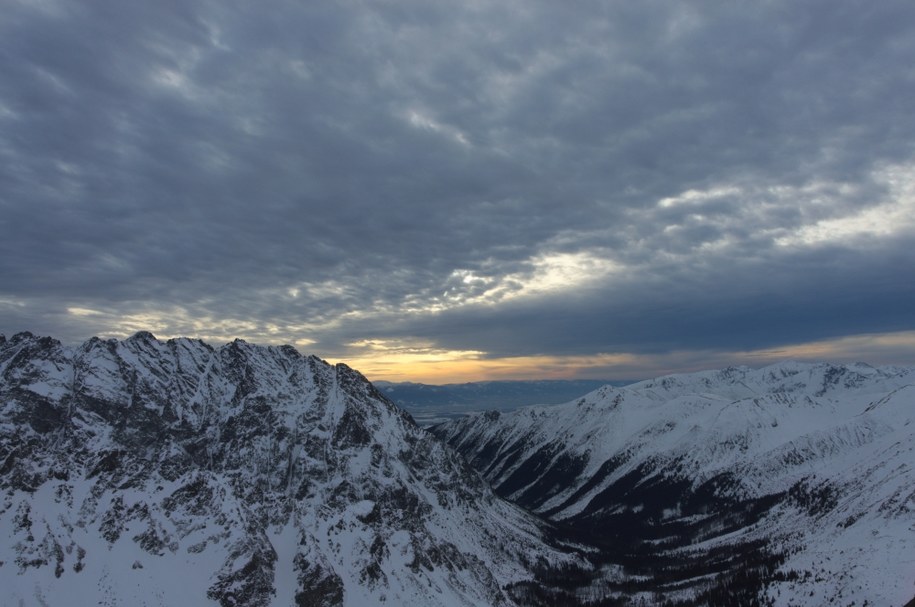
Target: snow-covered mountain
[142, 472]
[789, 485]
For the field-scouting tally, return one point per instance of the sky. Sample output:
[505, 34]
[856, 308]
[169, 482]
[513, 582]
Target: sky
[457, 191]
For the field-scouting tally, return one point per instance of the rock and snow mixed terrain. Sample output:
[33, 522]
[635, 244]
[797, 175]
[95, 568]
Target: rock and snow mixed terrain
[788, 485]
[142, 472]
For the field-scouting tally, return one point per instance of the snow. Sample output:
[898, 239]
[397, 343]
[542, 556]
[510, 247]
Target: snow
[847, 429]
[265, 452]
[109, 575]
[284, 541]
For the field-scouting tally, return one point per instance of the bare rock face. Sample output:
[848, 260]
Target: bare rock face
[179, 473]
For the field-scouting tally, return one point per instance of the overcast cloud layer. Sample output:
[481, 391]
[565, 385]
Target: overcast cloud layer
[490, 179]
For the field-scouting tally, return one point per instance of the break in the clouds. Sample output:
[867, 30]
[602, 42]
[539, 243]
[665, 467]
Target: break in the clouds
[452, 181]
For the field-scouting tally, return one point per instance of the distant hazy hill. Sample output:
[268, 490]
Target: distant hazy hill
[430, 403]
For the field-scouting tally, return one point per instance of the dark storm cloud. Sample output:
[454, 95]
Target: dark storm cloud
[739, 306]
[347, 170]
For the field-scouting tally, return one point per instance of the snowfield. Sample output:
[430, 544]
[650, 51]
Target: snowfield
[819, 457]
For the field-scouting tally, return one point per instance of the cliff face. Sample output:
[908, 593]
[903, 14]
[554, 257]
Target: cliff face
[165, 473]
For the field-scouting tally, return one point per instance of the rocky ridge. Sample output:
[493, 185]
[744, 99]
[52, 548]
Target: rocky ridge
[158, 473]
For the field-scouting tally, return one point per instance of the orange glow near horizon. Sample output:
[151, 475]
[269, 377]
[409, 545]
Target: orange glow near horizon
[441, 367]
[443, 370]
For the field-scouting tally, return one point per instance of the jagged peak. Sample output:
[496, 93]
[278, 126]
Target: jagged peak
[34, 341]
[188, 341]
[290, 350]
[344, 368]
[96, 342]
[273, 442]
[142, 336]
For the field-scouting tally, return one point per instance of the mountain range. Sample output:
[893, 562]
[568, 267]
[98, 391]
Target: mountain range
[149, 472]
[144, 472]
[430, 404]
[788, 485]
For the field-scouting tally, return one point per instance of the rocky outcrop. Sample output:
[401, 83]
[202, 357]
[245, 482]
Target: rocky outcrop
[240, 475]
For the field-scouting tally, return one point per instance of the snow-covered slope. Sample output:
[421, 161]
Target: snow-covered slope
[802, 473]
[142, 472]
